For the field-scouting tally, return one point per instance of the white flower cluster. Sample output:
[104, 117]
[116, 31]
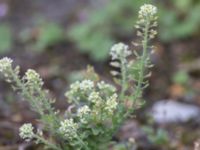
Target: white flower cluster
[94, 97]
[75, 86]
[104, 86]
[147, 18]
[100, 96]
[79, 87]
[33, 78]
[86, 85]
[26, 132]
[111, 104]
[119, 50]
[147, 10]
[5, 64]
[82, 112]
[69, 128]
[82, 85]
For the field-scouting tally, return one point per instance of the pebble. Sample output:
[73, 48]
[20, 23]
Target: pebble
[170, 111]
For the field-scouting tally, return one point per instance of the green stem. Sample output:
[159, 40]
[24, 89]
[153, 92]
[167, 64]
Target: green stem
[124, 76]
[138, 89]
[47, 143]
[143, 59]
[82, 143]
[26, 94]
[20, 85]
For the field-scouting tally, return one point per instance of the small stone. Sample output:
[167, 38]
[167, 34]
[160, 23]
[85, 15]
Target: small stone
[168, 111]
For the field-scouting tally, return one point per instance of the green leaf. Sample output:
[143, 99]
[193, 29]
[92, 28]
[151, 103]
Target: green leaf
[5, 39]
[97, 130]
[181, 77]
[50, 34]
[183, 5]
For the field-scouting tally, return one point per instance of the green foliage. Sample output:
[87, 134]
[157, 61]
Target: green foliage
[130, 145]
[88, 41]
[181, 77]
[44, 35]
[81, 75]
[157, 137]
[5, 39]
[97, 108]
[100, 26]
[50, 34]
[179, 20]
[75, 76]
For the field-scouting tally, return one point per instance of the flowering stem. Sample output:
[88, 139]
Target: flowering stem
[138, 91]
[144, 55]
[20, 85]
[26, 94]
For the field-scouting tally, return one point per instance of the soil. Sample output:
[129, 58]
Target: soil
[57, 62]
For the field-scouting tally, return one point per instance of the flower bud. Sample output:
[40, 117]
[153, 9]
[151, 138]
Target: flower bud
[82, 112]
[68, 128]
[147, 11]
[119, 50]
[33, 78]
[26, 131]
[5, 64]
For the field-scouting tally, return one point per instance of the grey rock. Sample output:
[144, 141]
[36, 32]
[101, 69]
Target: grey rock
[169, 111]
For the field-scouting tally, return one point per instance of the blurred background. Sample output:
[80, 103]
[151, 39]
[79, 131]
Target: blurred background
[58, 38]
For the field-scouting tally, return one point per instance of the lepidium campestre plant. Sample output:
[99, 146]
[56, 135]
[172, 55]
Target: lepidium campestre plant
[97, 108]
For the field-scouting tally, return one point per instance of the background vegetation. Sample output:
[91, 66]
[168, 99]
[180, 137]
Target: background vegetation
[59, 39]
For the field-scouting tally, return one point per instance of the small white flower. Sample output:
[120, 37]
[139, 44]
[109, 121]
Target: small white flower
[83, 85]
[26, 131]
[82, 112]
[68, 128]
[147, 20]
[5, 63]
[119, 50]
[73, 90]
[78, 88]
[147, 10]
[75, 86]
[94, 97]
[104, 86]
[33, 78]
[86, 85]
[111, 104]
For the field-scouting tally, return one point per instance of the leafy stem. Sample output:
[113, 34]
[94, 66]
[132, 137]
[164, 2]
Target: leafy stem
[144, 56]
[138, 90]
[124, 76]
[20, 85]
